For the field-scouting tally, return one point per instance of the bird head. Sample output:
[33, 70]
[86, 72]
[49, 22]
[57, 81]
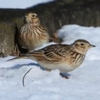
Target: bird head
[82, 46]
[32, 18]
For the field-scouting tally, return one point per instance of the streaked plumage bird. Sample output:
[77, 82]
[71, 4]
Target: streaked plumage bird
[32, 34]
[64, 57]
[61, 56]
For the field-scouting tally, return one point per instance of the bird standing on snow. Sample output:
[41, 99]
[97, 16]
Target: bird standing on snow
[32, 34]
[61, 56]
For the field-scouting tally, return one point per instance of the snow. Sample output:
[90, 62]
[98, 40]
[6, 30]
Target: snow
[20, 3]
[83, 83]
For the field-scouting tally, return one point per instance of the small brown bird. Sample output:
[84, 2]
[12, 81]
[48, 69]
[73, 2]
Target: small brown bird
[64, 57]
[61, 56]
[32, 34]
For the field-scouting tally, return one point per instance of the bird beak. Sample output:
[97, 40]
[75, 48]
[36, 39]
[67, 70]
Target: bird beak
[92, 45]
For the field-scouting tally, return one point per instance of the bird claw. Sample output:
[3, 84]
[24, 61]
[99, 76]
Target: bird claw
[64, 76]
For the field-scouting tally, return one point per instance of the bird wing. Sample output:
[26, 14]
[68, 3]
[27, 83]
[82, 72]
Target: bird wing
[50, 53]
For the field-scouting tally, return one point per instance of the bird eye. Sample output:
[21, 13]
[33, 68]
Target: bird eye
[82, 44]
[33, 15]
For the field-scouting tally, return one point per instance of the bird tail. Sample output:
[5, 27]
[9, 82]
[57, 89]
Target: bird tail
[36, 55]
[32, 55]
[21, 57]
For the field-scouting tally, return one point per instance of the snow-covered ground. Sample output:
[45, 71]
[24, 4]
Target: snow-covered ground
[83, 83]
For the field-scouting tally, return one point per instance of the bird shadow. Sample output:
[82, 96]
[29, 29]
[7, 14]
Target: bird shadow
[36, 65]
[21, 65]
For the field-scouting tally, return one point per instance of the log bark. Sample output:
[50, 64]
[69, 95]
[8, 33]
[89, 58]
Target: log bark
[7, 40]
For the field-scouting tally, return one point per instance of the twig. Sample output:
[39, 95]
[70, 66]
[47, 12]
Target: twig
[25, 75]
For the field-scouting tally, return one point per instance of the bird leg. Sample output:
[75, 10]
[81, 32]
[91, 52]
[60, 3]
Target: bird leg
[15, 51]
[18, 51]
[64, 76]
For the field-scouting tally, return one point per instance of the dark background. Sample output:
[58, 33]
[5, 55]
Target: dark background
[53, 15]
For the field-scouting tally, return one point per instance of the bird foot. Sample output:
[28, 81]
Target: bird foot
[64, 76]
[15, 51]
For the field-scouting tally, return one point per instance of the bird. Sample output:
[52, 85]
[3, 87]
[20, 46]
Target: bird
[32, 34]
[64, 57]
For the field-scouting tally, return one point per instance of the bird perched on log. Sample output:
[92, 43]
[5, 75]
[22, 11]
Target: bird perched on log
[32, 34]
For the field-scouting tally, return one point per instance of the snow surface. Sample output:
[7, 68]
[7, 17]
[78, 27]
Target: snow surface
[83, 83]
[20, 3]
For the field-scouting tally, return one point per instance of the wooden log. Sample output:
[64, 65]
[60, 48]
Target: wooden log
[7, 39]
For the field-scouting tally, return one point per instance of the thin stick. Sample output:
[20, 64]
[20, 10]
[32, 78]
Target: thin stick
[25, 75]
